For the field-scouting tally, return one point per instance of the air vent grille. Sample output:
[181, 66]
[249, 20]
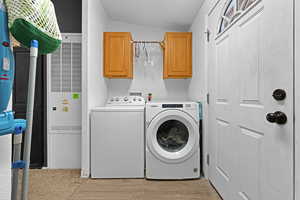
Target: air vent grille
[76, 69]
[55, 71]
[66, 68]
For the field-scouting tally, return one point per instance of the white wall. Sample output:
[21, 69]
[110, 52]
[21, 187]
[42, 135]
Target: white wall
[198, 81]
[147, 78]
[198, 86]
[94, 90]
[5, 165]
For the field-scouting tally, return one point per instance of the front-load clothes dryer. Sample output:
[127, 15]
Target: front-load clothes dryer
[172, 140]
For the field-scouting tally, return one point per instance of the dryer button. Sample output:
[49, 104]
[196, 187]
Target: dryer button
[6, 64]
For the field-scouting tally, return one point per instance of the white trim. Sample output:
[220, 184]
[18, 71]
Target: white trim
[48, 86]
[85, 140]
[212, 6]
[205, 130]
[297, 97]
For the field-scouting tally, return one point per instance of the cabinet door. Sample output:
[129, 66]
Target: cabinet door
[178, 55]
[118, 55]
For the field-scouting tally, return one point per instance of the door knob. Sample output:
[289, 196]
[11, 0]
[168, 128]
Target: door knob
[279, 94]
[277, 117]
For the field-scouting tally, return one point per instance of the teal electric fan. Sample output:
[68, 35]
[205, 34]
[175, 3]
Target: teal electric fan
[33, 23]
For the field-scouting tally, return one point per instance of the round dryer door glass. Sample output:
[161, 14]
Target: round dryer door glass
[172, 135]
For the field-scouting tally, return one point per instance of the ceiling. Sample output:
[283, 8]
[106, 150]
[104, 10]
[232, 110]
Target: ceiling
[167, 14]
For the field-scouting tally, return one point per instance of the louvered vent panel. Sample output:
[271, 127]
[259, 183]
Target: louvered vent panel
[66, 68]
[76, 67]
[56, 71]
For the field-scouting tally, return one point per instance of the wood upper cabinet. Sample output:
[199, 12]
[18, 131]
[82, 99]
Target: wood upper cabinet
[178, 55]
[118, 55]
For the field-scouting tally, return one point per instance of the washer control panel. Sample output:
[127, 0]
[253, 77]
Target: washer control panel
[126, 100]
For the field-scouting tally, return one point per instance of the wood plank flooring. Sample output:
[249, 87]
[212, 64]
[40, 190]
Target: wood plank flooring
[66, 185]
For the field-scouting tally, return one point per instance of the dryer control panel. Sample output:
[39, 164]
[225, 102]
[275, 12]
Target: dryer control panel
[172, 105]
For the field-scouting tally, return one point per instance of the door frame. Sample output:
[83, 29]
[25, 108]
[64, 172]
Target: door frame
[45, 77]
[205, 127]
[206, 152]
[296, 98]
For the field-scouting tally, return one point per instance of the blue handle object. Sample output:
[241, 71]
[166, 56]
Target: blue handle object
[9, 125]
[35, 43]
[7, 62]
[20, 164]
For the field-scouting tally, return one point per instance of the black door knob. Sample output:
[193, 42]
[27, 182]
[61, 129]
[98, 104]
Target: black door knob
[277, 117]
[271, 117]
[279, 95]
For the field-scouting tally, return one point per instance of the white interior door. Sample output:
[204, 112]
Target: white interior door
[250, 157]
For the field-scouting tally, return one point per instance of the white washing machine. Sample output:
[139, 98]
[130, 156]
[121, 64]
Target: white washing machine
[117, 138]
[172, 140]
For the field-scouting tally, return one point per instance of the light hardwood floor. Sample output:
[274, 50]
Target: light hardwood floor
[66, 185]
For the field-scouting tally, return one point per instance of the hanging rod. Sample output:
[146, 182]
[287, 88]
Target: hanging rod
[159, 42]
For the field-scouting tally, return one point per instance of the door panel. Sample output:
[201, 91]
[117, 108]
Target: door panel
[224, 167]
[249, 162]
[249, 58]
[223, 63]
[251, 158]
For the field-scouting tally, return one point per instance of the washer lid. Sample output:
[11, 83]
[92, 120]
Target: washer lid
[173, 136]
[119, 109]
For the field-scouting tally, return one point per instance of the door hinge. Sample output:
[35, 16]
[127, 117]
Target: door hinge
[207, 159]
[207, 32]
[207, 98]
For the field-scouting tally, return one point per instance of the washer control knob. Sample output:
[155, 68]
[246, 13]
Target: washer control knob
[126, 99]
[140, 99]
[117, 99]
[134, 99]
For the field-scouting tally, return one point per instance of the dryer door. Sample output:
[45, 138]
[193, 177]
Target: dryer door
[173, 136]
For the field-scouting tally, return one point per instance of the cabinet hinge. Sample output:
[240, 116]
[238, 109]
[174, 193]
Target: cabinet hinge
[207, 32]
[207, 98]
[207, 159]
